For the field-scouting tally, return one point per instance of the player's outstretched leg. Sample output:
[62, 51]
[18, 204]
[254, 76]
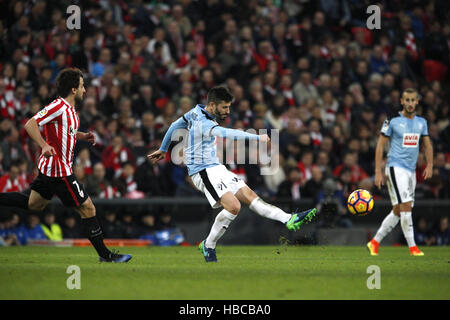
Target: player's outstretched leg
[14, 199]
[292, 221]
[95, 234]
[300, 218]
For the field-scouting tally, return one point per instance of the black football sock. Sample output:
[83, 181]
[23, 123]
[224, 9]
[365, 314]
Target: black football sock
[14, 199]
[95, 236]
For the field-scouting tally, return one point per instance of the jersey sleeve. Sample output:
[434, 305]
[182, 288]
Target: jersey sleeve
[50, 112]
[180, 123]
[386, 128]
[232, 133]
[424, 128]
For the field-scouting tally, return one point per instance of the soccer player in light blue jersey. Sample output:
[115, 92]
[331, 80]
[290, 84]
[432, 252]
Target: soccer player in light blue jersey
[403, 132]
[221, 186]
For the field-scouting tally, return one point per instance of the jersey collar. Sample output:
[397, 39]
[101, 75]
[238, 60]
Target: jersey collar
[206, 113]
[65, 101]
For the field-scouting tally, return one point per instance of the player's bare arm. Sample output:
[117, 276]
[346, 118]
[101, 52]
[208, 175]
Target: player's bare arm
[379, 177]
[156, 156]
[87, 136]
[428, 172]
[33, 131]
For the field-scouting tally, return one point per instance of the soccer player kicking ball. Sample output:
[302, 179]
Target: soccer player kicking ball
[60, 121]
[221, 186]
[403, 132]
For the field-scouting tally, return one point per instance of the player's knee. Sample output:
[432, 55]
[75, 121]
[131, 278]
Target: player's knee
[36, 205]
[396, 210]
[405, 207]
[234, 207]
[87, 210]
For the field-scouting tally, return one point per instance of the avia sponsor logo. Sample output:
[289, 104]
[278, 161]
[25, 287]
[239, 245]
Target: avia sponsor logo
[410, 140]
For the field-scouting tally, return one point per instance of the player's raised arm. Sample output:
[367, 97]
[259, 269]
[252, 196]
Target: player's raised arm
[428, 172]
[379, 178]
[237, 134]
[180, 123]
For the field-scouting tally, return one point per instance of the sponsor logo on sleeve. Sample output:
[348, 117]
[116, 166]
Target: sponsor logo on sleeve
[42, 113]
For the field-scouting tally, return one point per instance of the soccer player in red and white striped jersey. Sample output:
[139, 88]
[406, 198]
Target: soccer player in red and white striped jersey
[60, 122]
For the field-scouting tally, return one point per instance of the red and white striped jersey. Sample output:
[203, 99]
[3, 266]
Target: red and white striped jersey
[60, 122]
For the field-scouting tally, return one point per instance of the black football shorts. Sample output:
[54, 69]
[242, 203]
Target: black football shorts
[67, 189]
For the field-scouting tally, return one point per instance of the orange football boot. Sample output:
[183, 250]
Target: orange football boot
[415, 251]
[373, 246]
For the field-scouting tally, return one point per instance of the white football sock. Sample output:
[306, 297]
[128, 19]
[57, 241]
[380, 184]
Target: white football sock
[220, 225]
[387, 225]
[269, 211]
[407, 227]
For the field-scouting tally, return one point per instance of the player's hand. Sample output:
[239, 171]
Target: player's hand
[91, 137]
[156, 156]
[428, 172]
[379, 179]
[264, 138]
[48, 151]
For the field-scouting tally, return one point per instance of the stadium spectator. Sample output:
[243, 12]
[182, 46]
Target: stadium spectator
[11, 148]
[441, 234]
[290, 188]
[51, 229]
[112, 227]
[421, 233]
[126, 184]
[147, 225]
[7, 238]
[97, 185]
[129, 226]
[70, 228]
[114, 156]
[13, 181]
[153, 179]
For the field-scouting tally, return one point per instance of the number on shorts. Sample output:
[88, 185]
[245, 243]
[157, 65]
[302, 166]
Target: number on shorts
[80, 192]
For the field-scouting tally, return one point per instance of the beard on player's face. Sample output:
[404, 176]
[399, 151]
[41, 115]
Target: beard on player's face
[220, 116]
[78, 99]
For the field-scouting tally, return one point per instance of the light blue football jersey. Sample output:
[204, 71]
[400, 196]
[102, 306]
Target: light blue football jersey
[404, 136]
[200, 149]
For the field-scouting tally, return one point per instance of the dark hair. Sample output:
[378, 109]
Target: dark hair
[219, 94]
[66, 80]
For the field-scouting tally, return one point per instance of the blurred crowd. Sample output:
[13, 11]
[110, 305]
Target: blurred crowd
[310, 69]
[18, 229]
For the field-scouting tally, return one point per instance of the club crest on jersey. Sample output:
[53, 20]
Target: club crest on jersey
[410, 140]
[385, 125]
[42, 113]
[72, 131]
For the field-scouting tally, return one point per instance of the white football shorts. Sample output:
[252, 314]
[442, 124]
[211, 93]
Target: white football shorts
[215, 181]
[401, 184]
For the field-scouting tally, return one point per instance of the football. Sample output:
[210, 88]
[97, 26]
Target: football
[360, 202]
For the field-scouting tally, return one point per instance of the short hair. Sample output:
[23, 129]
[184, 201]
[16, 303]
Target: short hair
[66, 80]
[410, 90]
[219, 94]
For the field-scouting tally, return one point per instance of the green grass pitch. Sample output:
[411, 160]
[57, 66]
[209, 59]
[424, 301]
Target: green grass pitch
[243, 272]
